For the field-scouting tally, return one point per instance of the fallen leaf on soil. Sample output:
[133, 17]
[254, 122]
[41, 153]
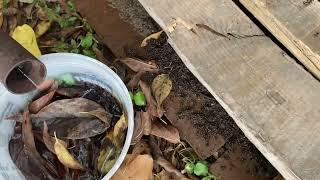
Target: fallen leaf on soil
[25, 36]
[101, 57]
[42, 27]
[64, 118]
[152, 107]
[37, 105]
[163, 175]
[137, 65]
[167, 132]
[152, 36]
[50, 141]
[146, 121]
[133, 83]
[138, 129]
[171, 169]
[65, 157]
[119, 130]
[100, 114]
[138, 149]
[140, 168]
[161, 88]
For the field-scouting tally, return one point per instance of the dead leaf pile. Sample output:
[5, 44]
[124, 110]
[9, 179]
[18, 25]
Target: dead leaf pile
[68, 136]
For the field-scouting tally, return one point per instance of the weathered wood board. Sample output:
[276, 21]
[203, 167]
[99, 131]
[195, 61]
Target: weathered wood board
[271, 98]
[295, 23]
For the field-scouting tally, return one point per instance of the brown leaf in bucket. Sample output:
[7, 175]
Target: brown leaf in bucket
[37, 105]
[140, 168]
[65, 157]
[167, 132]
[152, 107]
[156, 35]
[71, 92]
[119, 131]
[106, 159]
[48, 140]
[137, 65]
[100, 114]
[64, 118]
[27, 134]
[161, 88]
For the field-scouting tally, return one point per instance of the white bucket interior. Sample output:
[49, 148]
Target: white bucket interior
[84, 68]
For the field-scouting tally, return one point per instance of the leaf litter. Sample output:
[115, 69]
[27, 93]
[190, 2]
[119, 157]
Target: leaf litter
[79, 130]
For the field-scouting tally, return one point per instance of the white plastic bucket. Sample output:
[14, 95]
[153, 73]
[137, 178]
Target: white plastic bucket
[87, 69]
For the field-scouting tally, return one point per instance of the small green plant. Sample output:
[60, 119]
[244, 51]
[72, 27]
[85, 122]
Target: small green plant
[139, 98]
[197, 167]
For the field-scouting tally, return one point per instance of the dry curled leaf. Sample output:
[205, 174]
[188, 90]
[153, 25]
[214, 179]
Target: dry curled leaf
[119, 129]
[152, 107]
[42, 27]
[133, 83]
[106, 159]
[140, 168]
[137, 65]
[27, 134]
[171, 169]
[37, 105]
[161, 88]
[65, 157]
[152, 36]
[45, 85]
[167, 132]
[100, 114]
[138, 129]
[146, 121]
[48, 140]
[64, 118]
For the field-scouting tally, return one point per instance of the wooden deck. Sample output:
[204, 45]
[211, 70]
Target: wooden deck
[271, 98]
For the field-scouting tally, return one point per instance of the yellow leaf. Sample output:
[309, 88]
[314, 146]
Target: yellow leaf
[140, 168]
[161, 87]
[42, 27]
[65, 157]
[106, 159]
[152, 36]
[120, 126]
[25, 36]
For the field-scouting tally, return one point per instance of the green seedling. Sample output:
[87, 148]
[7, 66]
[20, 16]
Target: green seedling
[189, 167]
[66, 79]
[201, 168]
[139, 98]
[87, 41]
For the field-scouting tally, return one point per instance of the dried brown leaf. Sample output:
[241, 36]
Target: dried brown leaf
[146, 121]
[151, 36]
[161, 88]
[48, 140]
[164, 175]
[42, 27]
[101, 57]
[138, 129]
[167, 132]
[137, 65]
[140, 168]
[152, 107]
[27, 134]
[64, 117]
[65, 157]
[38, 104]
[119, 131]
[71, 92]
[133, 83]
[100, 114]
[138, 149]
[171, 169]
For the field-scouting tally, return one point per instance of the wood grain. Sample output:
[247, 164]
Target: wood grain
[294, 23]
[271, 98]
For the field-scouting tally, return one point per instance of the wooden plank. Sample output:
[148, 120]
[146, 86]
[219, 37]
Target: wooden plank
[295, 23]
[271, 98]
